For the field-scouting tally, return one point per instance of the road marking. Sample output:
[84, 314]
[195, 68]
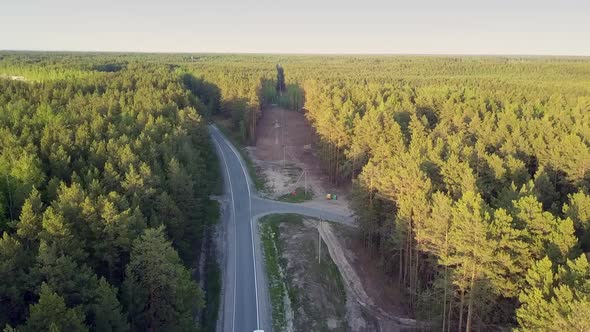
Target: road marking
[233, 216]
[251, 228]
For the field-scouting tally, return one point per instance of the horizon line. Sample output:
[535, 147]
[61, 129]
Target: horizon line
[304, 53]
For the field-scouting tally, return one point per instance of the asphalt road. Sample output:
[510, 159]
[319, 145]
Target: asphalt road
[245, 300]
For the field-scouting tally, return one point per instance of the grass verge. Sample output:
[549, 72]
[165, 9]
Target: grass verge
[255, 174]
[292, 263]
[269, 234]
[328, 296]
[212, 296]
[212, 212]
[299, 195]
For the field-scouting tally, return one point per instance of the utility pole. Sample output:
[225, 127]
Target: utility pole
[284, 148]
[305, 181]
[319, 244]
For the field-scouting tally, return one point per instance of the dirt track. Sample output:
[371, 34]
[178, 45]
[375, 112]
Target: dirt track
[283, 150]
[386, 321]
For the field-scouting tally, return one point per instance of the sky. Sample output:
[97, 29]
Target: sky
[534, 27]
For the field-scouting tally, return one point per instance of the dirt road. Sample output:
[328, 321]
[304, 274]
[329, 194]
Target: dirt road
[356, 292]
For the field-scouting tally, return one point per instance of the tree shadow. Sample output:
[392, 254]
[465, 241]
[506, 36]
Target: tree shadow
[207, 93]
[293, 98]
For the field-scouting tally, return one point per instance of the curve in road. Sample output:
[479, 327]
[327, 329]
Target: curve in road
[245, 301]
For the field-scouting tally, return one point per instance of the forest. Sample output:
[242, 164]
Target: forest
[470, 175]
[470, 180]
[106, 176]
[475, 198]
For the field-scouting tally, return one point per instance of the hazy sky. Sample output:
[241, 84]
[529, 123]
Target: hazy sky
[303, 26]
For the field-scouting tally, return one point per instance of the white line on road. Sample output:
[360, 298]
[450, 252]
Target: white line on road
[251, 228]
[233, 217]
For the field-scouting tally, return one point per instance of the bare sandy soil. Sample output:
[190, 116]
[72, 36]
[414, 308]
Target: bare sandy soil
[283, 150]
[319, 303]
[336, 294]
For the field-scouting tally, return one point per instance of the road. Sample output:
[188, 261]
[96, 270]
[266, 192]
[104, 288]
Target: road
[245, 300]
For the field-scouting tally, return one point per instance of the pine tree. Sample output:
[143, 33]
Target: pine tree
[51, 314]
[472, 252]
[56, 232]
[545, 233]
[118, 231]
[15, 282]
[30, 225]
[179, 211]
[556, 301]
[72, 281]
[432, 236]
[159, 292]
[458, 177]
[106, 311]
[578, 210]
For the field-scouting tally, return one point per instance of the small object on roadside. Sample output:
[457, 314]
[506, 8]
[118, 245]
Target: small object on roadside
[328, 196]
[334, 197]
[294, 193]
